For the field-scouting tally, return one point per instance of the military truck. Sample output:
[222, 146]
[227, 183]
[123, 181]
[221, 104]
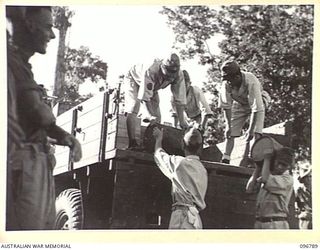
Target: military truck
[115, 188]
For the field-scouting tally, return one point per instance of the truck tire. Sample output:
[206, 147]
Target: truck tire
[69, 210]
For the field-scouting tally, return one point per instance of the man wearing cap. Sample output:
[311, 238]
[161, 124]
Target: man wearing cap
[31, 189]
[189, 179]
[197, 109]
[304, 196]
[276, 187]
[240, 97]
[143, 82]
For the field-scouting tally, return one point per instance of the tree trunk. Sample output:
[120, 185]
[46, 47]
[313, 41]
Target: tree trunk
[60, 69]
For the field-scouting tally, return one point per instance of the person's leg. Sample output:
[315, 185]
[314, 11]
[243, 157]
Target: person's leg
[131, 129]
[228, 150]
[239, 116]
[13, 184]
[132, 107]
[36, 196]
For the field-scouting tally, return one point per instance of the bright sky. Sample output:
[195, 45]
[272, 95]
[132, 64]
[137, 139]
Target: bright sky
[121, 36]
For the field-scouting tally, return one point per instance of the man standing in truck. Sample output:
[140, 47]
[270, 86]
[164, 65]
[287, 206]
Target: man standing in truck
[197, 109]
[240, 97]
[31, 190]
[189, 179]
[141, 87]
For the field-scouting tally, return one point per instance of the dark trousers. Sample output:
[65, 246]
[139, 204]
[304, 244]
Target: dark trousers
[30, 190]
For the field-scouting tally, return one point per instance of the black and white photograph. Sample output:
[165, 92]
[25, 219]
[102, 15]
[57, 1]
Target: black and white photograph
[159, 118]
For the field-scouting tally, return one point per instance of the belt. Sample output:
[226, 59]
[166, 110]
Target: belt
[179, 207]
[38, 146]
[183, 207]
[271, 219]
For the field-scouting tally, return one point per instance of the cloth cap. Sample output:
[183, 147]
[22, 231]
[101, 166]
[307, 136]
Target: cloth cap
[192, 137]
[285, 156]
[304, 169]
[172, 64]
[229, 69]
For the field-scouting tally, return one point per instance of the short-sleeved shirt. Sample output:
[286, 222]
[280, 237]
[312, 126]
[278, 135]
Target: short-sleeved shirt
[274, 197]
[151, 79]
[188, 172]
[249, 94]
[195, 98]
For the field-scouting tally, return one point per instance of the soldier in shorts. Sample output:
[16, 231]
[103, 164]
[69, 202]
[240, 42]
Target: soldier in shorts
[240, 97]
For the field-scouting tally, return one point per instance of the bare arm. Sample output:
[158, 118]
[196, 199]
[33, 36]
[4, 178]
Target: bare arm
[253, 179]
[252, 124]
[180, 114]
[64, 138]
[227, 115]
[158, 135]
[265, 173]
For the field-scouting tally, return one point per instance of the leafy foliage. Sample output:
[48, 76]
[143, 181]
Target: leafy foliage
[80, 63]
[273, 42]
[74, 66]
[62, 17]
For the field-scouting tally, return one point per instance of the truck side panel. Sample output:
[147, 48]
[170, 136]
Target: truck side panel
[89, 124]
[62, 153]
[141, 197]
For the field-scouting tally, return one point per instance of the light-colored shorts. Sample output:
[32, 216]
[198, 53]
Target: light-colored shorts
[132, 103]
[131, 89]
[240, 114]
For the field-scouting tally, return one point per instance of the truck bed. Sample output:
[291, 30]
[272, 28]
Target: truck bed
[123, 189]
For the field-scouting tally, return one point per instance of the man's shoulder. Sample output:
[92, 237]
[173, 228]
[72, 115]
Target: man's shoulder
[194, 159]
[196, 89]
[250, 78]
[153, 66]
